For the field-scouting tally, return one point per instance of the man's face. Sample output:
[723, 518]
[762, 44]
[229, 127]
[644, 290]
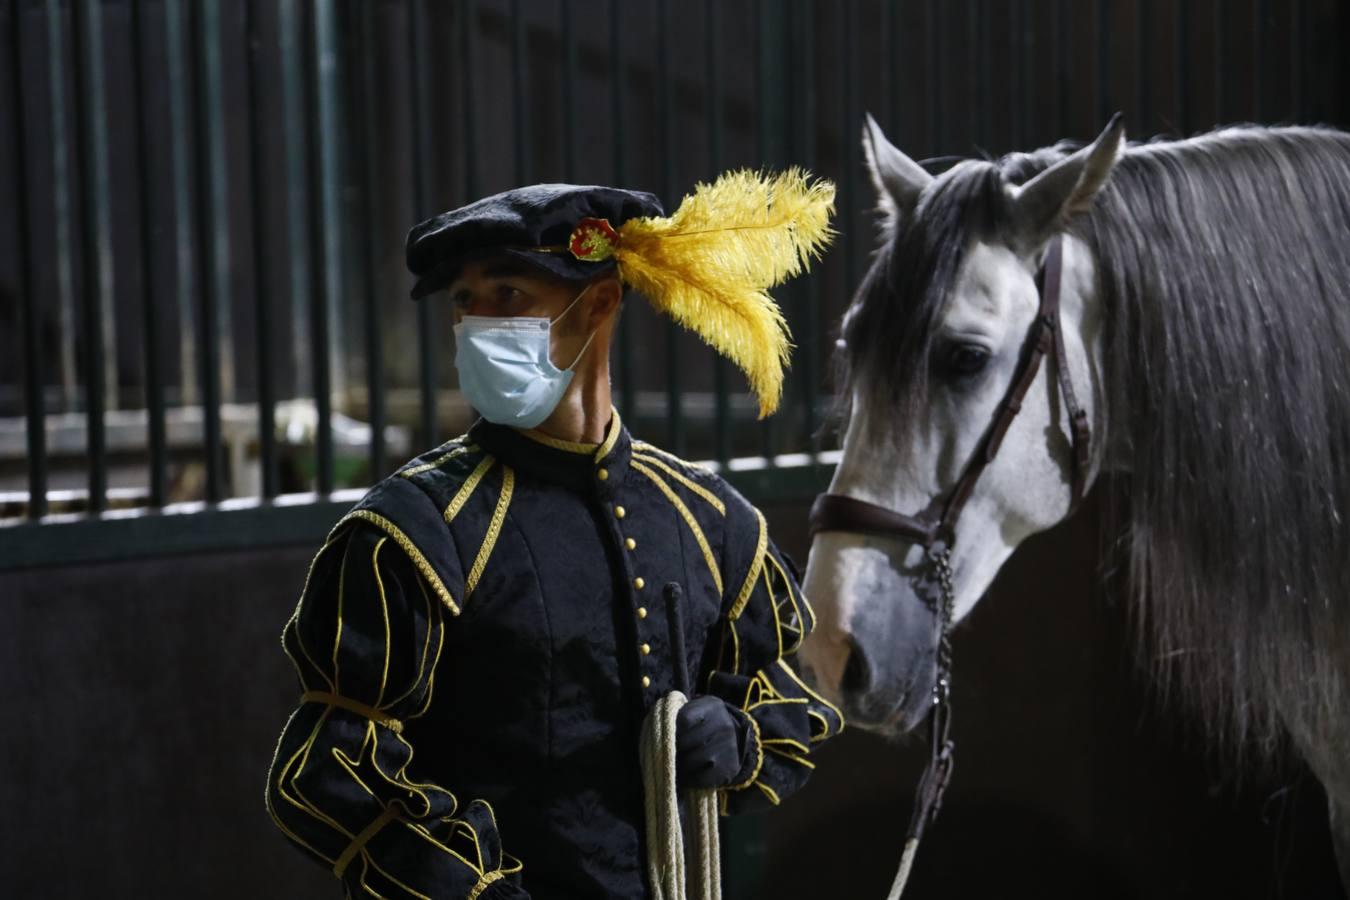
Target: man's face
[505, 287]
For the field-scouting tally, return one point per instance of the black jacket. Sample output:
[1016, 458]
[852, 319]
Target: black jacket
[495, 605]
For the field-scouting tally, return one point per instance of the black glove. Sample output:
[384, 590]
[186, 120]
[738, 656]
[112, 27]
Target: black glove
[503, 890]
[707, 745]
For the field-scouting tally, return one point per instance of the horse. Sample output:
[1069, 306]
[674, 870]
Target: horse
[1202, 324]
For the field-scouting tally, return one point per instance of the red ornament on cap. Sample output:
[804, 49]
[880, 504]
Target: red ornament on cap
[593, 240]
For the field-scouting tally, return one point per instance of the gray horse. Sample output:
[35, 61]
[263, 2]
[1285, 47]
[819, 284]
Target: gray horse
[1206, 318]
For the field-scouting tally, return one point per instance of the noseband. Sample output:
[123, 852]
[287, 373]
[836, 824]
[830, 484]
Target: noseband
[934, 527]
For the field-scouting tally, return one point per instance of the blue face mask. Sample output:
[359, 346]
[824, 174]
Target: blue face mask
[504, 367]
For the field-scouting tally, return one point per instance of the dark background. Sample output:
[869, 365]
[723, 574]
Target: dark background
[144, 696]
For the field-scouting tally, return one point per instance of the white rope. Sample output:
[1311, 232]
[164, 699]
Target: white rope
[906, 863]
[667, 863]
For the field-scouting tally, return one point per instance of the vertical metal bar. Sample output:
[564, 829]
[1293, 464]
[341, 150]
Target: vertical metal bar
[1260, 14]
[933, 54]
[421, 156]
[213, 153]
[713, 93]
[852, 122]
[1023, 48]
[1298, 40]
[1219, 21]
[204, 30]
[34, 407]
[666, 135]
[331, 156]
[1182, 72]
[897, 106]
[62, 209]
[262, 270]
[770, 130]
[569, 81]
[1103, 24]
[518, 76]
[88, 87]
[150, 299]
[291, 37]
[184, 203]
[319, 333]
[807, 292]
[1143, 79]
[365, 148]
[466, 79]
[975, 100]
[627, 384]
[1059, 37]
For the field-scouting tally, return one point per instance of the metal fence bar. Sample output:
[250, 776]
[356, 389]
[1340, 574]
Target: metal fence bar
[1059, 41]
[769, 128]
[1142, 70]
[154, 376]
[1021, 124]
[666, 134]
[262, 299]
[569, 82]
[204, 29]
[369, 237]
[1182, 83]
[1103, 26]
[34, 406]
[807, 290]
[466, 72]
[319, 333]
[1298, 40]
[713, 95]
[628, 387]
[1260, 63]
[426, 356]
[89, 92]
[68, 378]
[932, 46]
[519, 75]
[1217, 32]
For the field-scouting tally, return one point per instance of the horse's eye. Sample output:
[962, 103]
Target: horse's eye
[967, 359]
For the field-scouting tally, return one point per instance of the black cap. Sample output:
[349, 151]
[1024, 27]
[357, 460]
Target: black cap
[532, 223]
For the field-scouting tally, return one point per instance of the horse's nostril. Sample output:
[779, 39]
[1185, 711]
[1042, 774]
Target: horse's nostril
[857, 677]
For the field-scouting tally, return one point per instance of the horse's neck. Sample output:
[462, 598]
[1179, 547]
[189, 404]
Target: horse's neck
[1083, 319]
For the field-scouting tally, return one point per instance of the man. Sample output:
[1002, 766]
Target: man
[498, 604]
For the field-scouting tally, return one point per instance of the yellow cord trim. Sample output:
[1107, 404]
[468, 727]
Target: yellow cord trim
[467, 488]
[755, 568]
[483, 882]
[644, 447]
[494, 529]
[814, 696]
[689, 520]
[558, 443]
[694, 486]
[759, 763]
[351, 705]
[409, 548]
[441, 460]
[362, 839]
[612, 437]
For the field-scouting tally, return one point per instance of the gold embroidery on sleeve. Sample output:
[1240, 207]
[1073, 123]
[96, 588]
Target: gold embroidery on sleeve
[355, 706]
[755, 568]
[441, 460]
[362, 839]
[713, 500]
[409, 548]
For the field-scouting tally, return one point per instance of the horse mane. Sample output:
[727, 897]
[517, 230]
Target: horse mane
[1224, 272]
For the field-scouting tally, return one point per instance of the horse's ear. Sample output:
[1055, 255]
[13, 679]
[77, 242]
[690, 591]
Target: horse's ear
[1047, 203]
[899, 180]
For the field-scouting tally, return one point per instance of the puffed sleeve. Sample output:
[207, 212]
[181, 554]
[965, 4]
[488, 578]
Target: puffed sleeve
[365, 640]
[765, 620]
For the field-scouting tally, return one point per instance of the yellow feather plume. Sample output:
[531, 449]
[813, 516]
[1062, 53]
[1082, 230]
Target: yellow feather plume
[710, 265]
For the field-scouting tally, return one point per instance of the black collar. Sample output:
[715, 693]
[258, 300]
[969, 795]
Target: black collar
[584, 467]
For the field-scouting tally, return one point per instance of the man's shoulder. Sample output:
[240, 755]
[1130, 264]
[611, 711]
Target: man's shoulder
[699, 478]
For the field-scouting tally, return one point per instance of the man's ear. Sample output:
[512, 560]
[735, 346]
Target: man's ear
[605, 296]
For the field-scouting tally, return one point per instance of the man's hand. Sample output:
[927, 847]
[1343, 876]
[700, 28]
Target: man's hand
[708, 752]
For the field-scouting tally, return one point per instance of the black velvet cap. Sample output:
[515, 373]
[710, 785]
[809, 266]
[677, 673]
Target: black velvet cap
[516, 223]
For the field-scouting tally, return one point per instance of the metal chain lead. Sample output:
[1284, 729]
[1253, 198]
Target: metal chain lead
[942, 688]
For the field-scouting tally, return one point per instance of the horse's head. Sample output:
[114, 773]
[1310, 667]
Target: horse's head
[929, 347]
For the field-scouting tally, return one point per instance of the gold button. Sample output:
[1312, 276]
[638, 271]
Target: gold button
[646, 649]
[639, 583]
[646, 682]
[630, 544]
[602, 474]
[642, 612]
[619, 512]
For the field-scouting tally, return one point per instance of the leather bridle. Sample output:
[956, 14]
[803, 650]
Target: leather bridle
[934, 527]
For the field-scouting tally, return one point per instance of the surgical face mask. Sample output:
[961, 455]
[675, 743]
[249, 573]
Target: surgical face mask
[504, 367]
